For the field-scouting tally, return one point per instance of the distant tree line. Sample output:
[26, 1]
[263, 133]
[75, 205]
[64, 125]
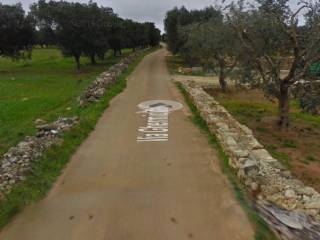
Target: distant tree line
[254, 40]
[77, 29]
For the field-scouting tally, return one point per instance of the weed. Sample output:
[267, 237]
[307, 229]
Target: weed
[262, 129]
[271, 147]
[289, 144]
[311, 158]
[284, 158]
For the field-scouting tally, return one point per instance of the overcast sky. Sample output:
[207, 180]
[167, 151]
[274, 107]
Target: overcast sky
[141, 10]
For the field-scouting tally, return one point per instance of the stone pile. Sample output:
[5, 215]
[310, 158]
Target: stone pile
[18, 160]
[99, 87]
[262, 175]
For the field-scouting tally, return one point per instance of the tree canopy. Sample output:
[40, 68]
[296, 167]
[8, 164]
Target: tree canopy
[177, 18]
[17, 32]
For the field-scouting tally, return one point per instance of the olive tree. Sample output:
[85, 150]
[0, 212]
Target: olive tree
[17, 32]
[98, 30]
[178, 18]
[269, 32]
[213, 44]
[80, 29]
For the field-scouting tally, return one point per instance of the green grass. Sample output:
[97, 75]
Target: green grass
[289, 144]
[283, 157]
[43, 87]
[245, 111]
[262, 231]
[45, 171]
[305, 117]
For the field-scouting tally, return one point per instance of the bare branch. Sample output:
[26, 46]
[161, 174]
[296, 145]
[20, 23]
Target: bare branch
[293, 17]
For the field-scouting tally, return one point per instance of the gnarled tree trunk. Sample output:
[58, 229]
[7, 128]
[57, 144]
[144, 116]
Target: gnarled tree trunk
[222, 77]
[93, 59]
[284, 105]
[77, 59]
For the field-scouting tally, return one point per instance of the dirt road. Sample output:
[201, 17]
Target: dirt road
[117, 188]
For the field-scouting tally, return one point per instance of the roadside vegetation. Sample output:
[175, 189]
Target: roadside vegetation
[45, 171]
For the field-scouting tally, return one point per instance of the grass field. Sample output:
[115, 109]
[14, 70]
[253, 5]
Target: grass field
[45, 87]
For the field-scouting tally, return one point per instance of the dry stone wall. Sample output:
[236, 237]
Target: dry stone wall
[262, 175]
[99, 87]
[17, 162]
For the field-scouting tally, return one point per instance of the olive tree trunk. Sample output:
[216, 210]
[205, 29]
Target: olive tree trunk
[222, 76]
[93, 59]
[77, 59]
[284, 106]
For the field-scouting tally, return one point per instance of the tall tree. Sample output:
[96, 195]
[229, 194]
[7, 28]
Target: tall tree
[98, 30]
[172, 23]
[45, 36]
[178, 18]
[130, 30]
[213, 44]
[17, 32]
[117, 39]
[153, 34]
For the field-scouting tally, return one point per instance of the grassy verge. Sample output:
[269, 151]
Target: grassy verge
[262, 231]
[51, 165]
[45, 87]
